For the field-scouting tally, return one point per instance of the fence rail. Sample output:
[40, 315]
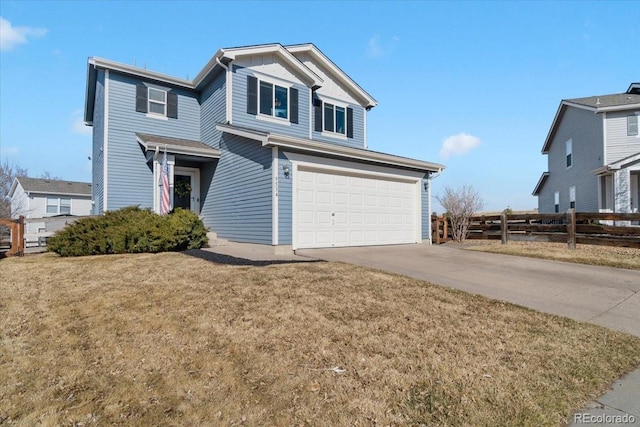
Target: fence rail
[611, 229]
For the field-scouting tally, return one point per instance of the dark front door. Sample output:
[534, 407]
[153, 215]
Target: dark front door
[182, 187]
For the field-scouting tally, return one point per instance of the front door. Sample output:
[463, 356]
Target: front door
[186, 191]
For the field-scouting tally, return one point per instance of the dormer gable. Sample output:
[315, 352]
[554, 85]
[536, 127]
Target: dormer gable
[336, 82]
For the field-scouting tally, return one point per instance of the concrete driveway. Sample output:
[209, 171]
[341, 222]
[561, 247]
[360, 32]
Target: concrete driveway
[606, 296]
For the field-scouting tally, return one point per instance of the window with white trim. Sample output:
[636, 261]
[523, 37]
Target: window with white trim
[556, 201]
[157, 101]
[632, 125]
[273, 100]
[569, 151]
[335, 119]
[267, 99]
[58, 206]
[331, 118]
[572, 197]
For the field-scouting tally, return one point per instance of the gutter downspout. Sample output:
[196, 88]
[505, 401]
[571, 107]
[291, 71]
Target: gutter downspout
[228, 82]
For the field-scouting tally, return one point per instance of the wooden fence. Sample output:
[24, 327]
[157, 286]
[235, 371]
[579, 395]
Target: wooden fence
[611, 229]
[13, 245]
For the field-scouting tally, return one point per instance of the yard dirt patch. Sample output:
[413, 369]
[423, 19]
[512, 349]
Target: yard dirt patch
[169, 339]
[609, 256]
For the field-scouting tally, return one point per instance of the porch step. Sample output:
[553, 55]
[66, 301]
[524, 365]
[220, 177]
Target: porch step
[214, 240]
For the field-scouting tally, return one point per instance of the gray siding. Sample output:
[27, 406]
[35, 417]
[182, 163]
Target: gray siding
[130, 176]
[242, 118]
[425, 209]
[285, 209]
[240, 193]
[97, 157]
[619, 144]
[213, 110]
[585, 130]
[358, 130]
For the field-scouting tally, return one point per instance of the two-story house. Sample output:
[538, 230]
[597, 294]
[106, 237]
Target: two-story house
[42, 198]
[267, 143]
[593, 150]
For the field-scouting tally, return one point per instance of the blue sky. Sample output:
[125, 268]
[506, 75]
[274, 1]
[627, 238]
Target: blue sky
[472, 85]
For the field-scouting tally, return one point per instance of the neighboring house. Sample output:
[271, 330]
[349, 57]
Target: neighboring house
[593, 150]
[42, 198]
[267, 144]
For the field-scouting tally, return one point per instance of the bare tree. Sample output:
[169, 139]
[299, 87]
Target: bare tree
[461, 204]
[8, 172]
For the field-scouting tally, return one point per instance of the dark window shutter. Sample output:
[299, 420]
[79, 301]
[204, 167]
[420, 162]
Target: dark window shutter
[349, 122]
[172, 105]
[317, 113]
[293, 105]
[252, 95]
[141, 98]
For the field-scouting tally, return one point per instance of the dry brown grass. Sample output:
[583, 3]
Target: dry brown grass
[168, 339]
[609, 256]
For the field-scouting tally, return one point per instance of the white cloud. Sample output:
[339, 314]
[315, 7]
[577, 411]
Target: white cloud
[77, 124]
[11, 36]
[377, 48]
[458, 145]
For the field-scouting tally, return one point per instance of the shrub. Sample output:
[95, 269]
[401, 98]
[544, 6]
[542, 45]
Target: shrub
[130, 230]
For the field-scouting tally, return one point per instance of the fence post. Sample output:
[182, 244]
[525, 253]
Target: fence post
[21, 235]
[571, 228]
[504, 232]
[445, 228]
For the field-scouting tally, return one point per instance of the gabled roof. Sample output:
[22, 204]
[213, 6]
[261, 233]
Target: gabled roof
[541, 181]
[629, 100]
[219, 62]
[230, 54]
[51, 186]
[309, 48]
[305, 145]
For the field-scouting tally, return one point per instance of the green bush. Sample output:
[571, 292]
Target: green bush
[130, 230]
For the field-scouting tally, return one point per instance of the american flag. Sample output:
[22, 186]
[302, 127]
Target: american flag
[165, 204]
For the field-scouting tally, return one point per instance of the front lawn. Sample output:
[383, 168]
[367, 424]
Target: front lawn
[169, 339]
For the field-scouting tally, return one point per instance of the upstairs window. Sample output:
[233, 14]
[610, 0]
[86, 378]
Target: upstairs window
[157, 103]
[569, 151]
[333, 118]
[58, 206]
[272, 100]
[632, 125]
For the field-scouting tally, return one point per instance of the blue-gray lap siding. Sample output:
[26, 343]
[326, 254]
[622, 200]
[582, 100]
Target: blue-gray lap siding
[425, 209]
[130, 177]
[584, 128]
[97, 157]
[213, 110]
[240, 195]
[244, 119]
[358, 130]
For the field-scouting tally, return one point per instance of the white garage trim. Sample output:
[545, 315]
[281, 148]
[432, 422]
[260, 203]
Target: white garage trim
[301, 162]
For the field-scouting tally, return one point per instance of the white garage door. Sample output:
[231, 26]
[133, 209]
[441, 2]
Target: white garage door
[334, 209]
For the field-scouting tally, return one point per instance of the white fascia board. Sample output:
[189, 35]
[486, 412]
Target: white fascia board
[351, 153]
[312, 78]
[140, 72]
[211, 153]
[618, 108]
[341, 76]
[263, 138]
[14, 185]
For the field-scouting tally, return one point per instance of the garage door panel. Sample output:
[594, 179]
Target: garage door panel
[340, 210]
